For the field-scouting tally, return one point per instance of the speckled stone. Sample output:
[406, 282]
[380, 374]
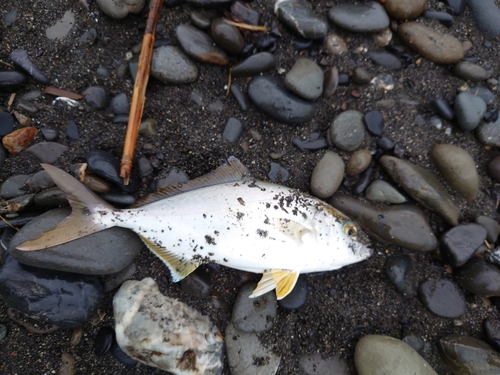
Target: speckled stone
[305, 79]
[347, 130]
[327, 175]
[171, 66]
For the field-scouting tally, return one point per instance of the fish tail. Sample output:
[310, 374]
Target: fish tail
[85, 203]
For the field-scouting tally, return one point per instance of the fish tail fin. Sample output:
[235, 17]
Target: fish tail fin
[80, 223]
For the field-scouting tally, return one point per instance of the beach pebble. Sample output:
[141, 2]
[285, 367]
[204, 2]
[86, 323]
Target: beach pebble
[492, 331]
[119, 9]
[486, 14]
[199, 45]
[258, 63]
[12, 81]
[232, 130]
[175, 176]
[347, 130]
[443, 298]
[171, 66]
[65, 299]
[460, 242]
[400, 271]
[6, 123]
[327, 175]
[244, 12]
[240, 97]
[358, 162]
[422, 186]
[21, 59]
[331, 81]
[431, 44]
[270, 95]
[200, 19]
[457, 6]
[297, 296]
[458, 169]
[51, 198]
[364, 17]
[491, 225]
[404, 9]
[197, 283]
[361, 76]
[39, 181]
[299, 16]
[62, 27]
[469, 110]
[96, 97]
[72, 132]
[13, 186]
[335, 45]
[277, 173]
[442, 17]
[467, 355]
[83, 255]
[443, 108]
[470, 71]
[488, 133]
[254, 315]
[227, 36]
[382, 191]
[103, 340]
[181, 339]
[385, 59]
[477, 276]
[305, 79]
[47, 152]
[247, 355]
[404, 226]
[376, 354]
[19, 139]
[119, 103]
[315, 364]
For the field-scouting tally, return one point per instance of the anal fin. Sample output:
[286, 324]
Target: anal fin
[282, 280]
[178, 266]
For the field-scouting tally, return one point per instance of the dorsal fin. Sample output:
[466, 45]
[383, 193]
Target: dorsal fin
[232, 171]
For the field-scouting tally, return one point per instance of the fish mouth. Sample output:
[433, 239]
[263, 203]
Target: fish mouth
[362, 247]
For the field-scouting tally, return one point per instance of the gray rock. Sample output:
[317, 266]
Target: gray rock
[119, 103]
[422, 186]
[101, 253]
[96, 97]
[232, 130]
[358, 162]
[404, 225]
[488, 133]
[258, 63]
[175, 176]
[458, 169]
[39, 181]
[47, 152]
[443, 298]
[297, 296]
[469, 110]
[431, 44]
[347, 130]
[199, 45]
[483, 93]
[315, 364]
[479, 277]
[246, 354]
[119, 9]
[335, 45]
[227, 36]
[305, 79]
[181, 340]
[469, 71]
[144, 166]
[486, 14]
[460, 242]
[253, 315]
[364, 17]
[200, 19]
[382, 191]
[327, 175]
[400, 271]
[51, 198]
[384, 355]
[299, 16]
[170, 65]
[404, 9]
[14, 186]
[491, 225]
[269, 94]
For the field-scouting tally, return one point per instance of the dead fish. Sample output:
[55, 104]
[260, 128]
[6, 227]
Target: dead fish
[226, 217]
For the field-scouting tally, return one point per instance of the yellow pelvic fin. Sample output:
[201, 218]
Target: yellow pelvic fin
[178, 266]
[282, 280]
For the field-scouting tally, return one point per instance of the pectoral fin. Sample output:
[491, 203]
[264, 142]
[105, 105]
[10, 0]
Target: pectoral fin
[293, 229]
[179, 266]
[282, 280]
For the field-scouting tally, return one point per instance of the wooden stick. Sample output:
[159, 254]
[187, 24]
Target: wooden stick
[139, 93]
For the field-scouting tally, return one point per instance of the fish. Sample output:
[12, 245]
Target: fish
[226, 217]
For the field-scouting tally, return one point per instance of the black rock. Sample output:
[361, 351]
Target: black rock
[103, 340]
[365, 178]
[6, 123]
[443, 109]
[232, 130]
[400, 271]
[479, 277]
[72, 132]
[197, 284]
[460, 242]
[443, 17]
[297, 296]
[49, 134]
[245, 13]
[442, 298]
[265, 42]
[374, 122]
[96, 97]
[253, 65]
[385, 143]
[492, 330]
[65, 299]
[344, 79]
[21, 59]
[241, 98]
[12, 81]
[121, 356]
[209, 3]
[456, 6]
[385, 59]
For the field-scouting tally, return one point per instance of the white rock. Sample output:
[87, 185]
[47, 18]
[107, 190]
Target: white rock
[164, 332]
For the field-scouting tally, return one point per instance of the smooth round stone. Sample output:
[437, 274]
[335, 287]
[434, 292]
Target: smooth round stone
[119, 199]
[431, 44]
[12, 81]
[315, 364]
[358, 162]
[443, 298]
[401, 225]
[360, 18]
[385, 143]
[199, 45]
[384, 355]
[119, 104]
[305, 79]
[422, 186]
[470, 71]
[460, 242]
[227, 36]
[65, 299]
[344, 79]
[96, 184]
[385, 59]
[120, 9]
[171, 66]
[259, 63]
[6, 123]
[467, 355]
[492, 227]
[200, 19]
[363, 181]
[479, 277]
[270, 95]
[469, 110]
[84, 255]
[175, 176]
[404, 9]
[299, 16]
[457, 6]
[486, 14]
[103, 340]
[374, 122]
[13, 186]
[488, 133]
[335, 45]
[96, 97]
[361, 76]
[492, 330]
[144, 166]
[232, 130]
[40, 181]
[443, 108]
[254, 315]
[121, 356]
[327, 175]
[483, 93]
[197, 284]
[72, 132]
[297, 296]
[347, 130]
[400, 271]
[148, 127]
[458, 169]
[382, 191]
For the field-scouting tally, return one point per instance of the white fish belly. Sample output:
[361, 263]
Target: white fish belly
[248, 226]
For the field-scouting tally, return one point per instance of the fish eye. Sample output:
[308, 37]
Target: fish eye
[350, 229]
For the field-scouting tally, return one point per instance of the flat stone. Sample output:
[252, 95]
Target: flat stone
[47, 152]
[232, 130]
[171, 66]
[120, 8]
[469, 110]
[382, 191]
[299, 16]
[364, 17]
[431, 44]
[305, 79]
[327, 175]
[258, 63]
[13, 186]
[227, 36]
[443, 298]
[199, 45]
[347, 130]
[470, 71]
[460, 242]
[477, 276]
